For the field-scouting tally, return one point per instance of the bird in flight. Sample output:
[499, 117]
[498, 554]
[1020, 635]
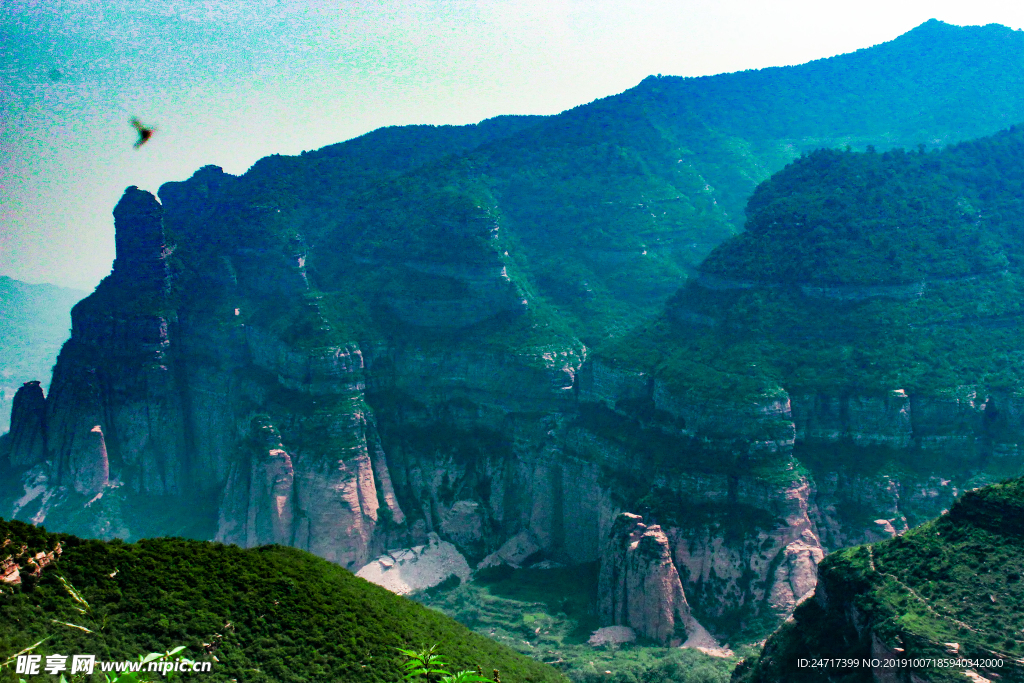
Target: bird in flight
[144, 133]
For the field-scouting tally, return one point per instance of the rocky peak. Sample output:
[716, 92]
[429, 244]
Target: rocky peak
[640, 587]
[139, 240]
[27, 445]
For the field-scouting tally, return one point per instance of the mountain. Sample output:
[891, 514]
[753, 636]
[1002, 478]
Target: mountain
[449, 331]
[861, 271]
[264, 614]
[34, 322]
[948, 591]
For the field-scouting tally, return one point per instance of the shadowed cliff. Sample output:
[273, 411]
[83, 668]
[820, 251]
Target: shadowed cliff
[350, 350]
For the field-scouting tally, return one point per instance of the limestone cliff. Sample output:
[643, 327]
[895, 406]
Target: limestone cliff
[639, 586]
[352, 349]
[207, 403]
[903, 614]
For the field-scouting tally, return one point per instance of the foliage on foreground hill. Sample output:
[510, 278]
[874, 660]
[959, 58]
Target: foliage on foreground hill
[270, 613]
[955, 580]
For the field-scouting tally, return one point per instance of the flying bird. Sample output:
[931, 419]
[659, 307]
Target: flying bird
[144, 133]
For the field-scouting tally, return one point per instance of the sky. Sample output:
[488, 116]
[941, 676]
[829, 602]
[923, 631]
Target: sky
[227, 82]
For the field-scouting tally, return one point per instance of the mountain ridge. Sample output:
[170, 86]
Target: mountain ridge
[347, 356]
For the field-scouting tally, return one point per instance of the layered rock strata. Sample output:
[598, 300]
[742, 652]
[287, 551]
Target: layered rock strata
[639, 586]
[234, 403]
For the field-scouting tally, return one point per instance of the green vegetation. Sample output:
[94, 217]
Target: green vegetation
[596, 214]
[425, 238]
[859, 272]
[844, 218]
[549, 614]
[265, 614]
[954, 580]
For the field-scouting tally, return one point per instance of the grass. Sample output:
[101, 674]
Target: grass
[549, 614]
[265, 614]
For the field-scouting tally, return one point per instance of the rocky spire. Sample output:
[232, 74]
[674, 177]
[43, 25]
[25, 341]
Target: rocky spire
[139, 239]
[638, 584]
[28, 426]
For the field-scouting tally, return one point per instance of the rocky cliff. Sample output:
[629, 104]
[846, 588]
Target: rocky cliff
[348, 351]
[233, 427]
[639, 586]
[944, 597]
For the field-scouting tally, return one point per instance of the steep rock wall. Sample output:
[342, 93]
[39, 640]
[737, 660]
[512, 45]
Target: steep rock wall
[639, 586]
[515, 454]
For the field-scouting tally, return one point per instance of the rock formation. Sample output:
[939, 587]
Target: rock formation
[20, 562]
[348, 351]
[26, 440]
[349, 449]
[890, 604]
[407, 570]
[639, 586]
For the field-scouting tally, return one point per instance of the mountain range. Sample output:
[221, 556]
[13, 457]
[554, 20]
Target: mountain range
[553, 339]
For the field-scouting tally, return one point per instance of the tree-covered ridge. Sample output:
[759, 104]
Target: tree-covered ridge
[840, 218]
[843, 218]
[600, 211]
[264, 614]
[869, 271]
[948, 589]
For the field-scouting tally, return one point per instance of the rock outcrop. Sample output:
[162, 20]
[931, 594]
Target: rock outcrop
[26, 442]
[407, 570]
[20, 562]
[639, 586]
[894, 609]
[344, 354]
[348, 449]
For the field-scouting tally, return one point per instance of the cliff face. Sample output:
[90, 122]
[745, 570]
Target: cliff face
[347, 353]
[243, 431]
[943, 596]
[351, 449]
[639, 586]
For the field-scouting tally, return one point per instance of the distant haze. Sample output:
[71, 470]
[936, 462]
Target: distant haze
[228, 82]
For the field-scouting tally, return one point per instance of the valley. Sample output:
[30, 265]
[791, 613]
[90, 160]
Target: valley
[554, 345]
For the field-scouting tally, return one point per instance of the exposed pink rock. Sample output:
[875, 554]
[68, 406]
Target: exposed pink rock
[258, 503]
[322, 501]
[11, 570]
[88, 467]
[639, 586]
[796, 574]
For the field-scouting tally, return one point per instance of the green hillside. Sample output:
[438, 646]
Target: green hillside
[868, 270]
[269, 613]
[950, 589]
[599, 213]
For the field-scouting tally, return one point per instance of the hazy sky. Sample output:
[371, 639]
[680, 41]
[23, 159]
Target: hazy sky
[228, 82]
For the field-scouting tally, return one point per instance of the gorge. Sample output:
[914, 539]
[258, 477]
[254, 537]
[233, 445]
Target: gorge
[522, 338]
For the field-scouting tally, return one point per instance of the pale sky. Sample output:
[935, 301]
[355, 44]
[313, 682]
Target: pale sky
[228, 82]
